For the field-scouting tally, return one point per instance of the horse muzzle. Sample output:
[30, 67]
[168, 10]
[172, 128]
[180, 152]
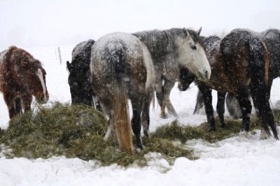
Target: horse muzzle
[43, 99]
[205, 75]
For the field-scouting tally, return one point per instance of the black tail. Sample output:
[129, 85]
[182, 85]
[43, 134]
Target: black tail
[259, 65]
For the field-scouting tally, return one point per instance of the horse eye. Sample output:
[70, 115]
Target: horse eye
[193, 47]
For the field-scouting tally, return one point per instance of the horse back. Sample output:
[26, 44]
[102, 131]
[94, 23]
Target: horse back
[123, 55]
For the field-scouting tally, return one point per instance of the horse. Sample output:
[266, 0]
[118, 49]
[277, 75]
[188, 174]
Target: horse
[271, 38]
[21, 76]
[122, 68]
[79, 75]
[167, 72]
[244, 61]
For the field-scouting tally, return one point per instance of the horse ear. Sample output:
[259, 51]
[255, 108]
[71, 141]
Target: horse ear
[186, 32]
[68, 65]
[199, 31]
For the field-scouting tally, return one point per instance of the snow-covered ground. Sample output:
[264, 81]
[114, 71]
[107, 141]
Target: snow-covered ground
[234, 161]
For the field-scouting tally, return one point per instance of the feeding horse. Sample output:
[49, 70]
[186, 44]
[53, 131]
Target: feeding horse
[122, 68]
[167, 69]
[271, 38]
[79, 75]
[21, 76]
[244, 60]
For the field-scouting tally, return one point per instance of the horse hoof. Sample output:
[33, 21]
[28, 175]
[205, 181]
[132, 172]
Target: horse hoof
[211, 129]
[244, 133]
[263, 135]
[146, 133]
[223, 126]
[163, 116]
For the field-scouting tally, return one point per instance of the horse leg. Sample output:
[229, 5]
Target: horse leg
[10, 102]
[18, 106]
[221, 108]
[261, 102]
[245, 105]
[26, 102]
[199, 102]
[207, 98]
[160, 97]
[233, 106]
[137, 105]
[167, 87]
[145, 117]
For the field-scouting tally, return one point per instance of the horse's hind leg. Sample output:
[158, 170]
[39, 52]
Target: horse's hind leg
[221, 108]
[137, 105]
[245, 106]
[145, 120]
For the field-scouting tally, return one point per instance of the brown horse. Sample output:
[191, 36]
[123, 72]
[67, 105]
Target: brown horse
[242, 66]
[21, 76]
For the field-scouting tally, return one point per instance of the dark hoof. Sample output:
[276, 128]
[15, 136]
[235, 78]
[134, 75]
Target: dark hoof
[211, 129]
[146, 133]
[223, 126]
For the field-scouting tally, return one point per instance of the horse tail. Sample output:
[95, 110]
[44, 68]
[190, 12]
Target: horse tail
[121, 117]
[259, 65]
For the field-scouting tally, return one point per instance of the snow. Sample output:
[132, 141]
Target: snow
[233, 161]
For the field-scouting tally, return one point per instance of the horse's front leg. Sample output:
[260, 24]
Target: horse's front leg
[199, 103]
[221, 108]
[167, 87]
[207, 98]
[26, 102]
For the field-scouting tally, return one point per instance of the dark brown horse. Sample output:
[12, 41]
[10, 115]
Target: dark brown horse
[21, 76]
[271, 38]
[244, 59]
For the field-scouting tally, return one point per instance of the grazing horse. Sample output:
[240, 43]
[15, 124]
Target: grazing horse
[271, 38]
[79, 75]
[244, 64]
[167, 70]
[122, 68]
[21, 76]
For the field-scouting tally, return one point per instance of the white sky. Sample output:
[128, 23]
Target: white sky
[34, 23]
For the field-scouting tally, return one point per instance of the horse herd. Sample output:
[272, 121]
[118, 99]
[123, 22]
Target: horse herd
[119, 67]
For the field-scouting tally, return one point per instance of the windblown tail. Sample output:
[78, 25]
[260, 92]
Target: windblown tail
[259, 64]
[121, 117]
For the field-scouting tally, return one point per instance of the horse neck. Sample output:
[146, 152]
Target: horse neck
[157, 42]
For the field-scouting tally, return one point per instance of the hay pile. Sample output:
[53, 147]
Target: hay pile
[75, 131]
[78, 131]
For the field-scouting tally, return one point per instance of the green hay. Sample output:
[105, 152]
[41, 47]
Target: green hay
[176, 132]
[75, 131]
[78, 131]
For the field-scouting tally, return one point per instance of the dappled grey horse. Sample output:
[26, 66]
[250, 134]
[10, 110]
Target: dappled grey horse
[167, 68]
[122, 68]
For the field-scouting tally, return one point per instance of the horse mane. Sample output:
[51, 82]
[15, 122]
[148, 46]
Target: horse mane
[160, 43]
[20, 58]
[81, 56]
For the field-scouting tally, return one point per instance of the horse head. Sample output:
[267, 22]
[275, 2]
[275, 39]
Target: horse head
[28, 72]
[36, 80]
[185, 79]
[78, 80]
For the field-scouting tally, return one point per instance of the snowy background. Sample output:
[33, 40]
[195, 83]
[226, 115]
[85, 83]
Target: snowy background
[41, 27]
